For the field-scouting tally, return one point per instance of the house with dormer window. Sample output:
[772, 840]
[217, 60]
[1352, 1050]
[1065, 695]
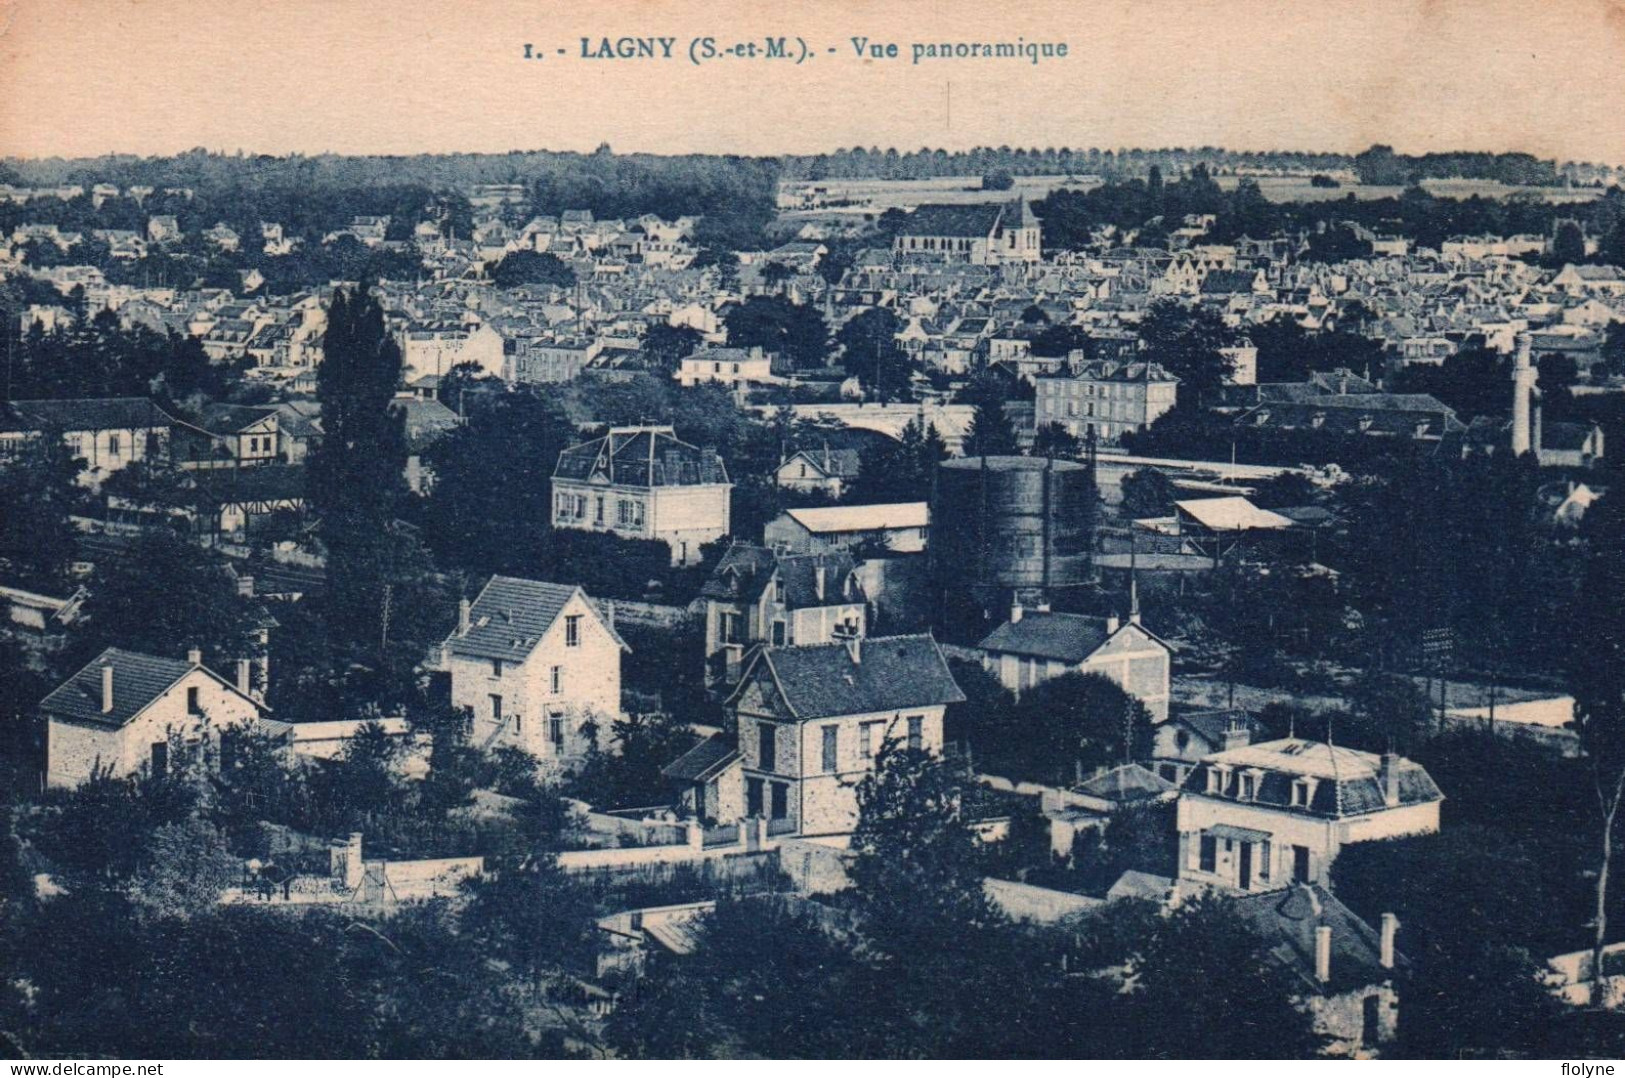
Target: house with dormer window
[1258, 817]
[760, 596]
[535, 666]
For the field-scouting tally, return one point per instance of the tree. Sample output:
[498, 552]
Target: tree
[775, 274]
[915, 868]
[1062, 727]
[38, 494]
[1147, 492]
[991, 433]
[665, 346]
[1598, 684]
[161, 595]
[185, 866]
[870, 353]
[356, 473]
[532, 268]
[1055, 441]
[1568, 244]
[794, 331]
[1187, 343]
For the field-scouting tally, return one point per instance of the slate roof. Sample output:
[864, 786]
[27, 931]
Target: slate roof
[974, 221]
[704, 761]
[892, 673]
[839, 463]
[1067, 638]
[231, 418]
[1287, 920]
[102, 413]
[1130, 782]
[509, 617]
[1347, 781]
[642, 457]
[138, 681]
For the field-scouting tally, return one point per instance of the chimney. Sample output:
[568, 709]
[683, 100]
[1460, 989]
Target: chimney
[1015, 612]
[1390, 927]
[107, 687]
[1113, 623]
[462, 617]
[245, 586]
[245, 680]
[195, 657]
[1236, 733]
[854, 648]
[1323, 954]
[818, 581]
[1388, 776]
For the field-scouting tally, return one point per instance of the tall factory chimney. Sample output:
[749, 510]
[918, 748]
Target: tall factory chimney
[1523, 393]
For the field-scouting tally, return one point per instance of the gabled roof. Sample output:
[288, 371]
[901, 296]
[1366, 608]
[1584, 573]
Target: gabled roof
[835, 519]
[102, 413]
[1128, 783]
[511, 615]
[1288, 921]
[139, 680]
[232, 418]
[890, 673]
[704, 761]
[1067, 638]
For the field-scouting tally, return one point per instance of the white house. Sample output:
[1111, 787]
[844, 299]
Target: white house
[757, 596]
[642, 483]
[904, 528]
[826, 470]
[1034, 646]
[731, 367]
[125, 713]
[536, 666]
[1263, 816]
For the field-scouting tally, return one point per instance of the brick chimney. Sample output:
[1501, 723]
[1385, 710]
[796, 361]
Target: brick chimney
[1015, 612]
[107, 687]
[1113, 623]
[1236, 733]
[462, 617]
[1390, 927]
[1323, 954]
[195, 657]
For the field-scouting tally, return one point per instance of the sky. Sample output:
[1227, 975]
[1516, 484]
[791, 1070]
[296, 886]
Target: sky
[86, 77]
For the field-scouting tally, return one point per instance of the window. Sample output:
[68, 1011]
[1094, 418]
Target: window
[730, 628]
[193, 707]
[916, 732]
[1249, 788]
[753, 797]
[496, 667]
[555, 733]
[1215, 780]
[496, 705]
[1300, 864]
[831, 733]
[767, 746]
[598, 510]
[778, 634]
[572, 630]
[1209, 854]
[558, 679]
[160, 759]
[866, 739]
[112, 445]
[781, 800]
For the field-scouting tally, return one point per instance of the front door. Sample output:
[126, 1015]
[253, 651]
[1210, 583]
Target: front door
[1244, 874]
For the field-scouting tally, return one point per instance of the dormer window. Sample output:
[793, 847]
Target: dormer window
[1303, 792]
[1216, 780]
[1247, 788]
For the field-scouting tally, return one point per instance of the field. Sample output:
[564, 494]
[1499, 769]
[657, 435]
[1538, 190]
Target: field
[873, 196]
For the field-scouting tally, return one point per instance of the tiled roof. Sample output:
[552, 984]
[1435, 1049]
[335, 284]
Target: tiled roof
[1067, 638]
[976, 222]
[138, 680]
[231, 418]
[510, 616]
[891, 673]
